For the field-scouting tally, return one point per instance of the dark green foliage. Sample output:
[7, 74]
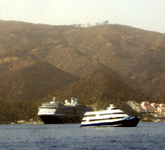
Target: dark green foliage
[20, 110]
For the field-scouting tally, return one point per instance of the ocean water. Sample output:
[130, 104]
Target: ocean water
[146, 136]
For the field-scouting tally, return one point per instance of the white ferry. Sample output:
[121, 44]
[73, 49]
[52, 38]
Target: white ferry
[110, 117]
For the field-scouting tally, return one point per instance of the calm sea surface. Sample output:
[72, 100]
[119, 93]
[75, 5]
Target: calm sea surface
[146, 136]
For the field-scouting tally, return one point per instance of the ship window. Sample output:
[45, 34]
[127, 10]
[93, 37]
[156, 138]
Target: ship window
[117, 118]
[111, 113]
[47, 108]
[83, 121]
[104, 119]
[115, 108]
[92, 115]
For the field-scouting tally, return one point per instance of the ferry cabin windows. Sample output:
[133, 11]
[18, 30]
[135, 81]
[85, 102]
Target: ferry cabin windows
[105, 119]
[90, 115]
[94, 115]
[111, 113]
[101, 119]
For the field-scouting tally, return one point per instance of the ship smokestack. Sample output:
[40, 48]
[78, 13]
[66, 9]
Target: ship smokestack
[76, 101]
[72, 100]
[54, 99]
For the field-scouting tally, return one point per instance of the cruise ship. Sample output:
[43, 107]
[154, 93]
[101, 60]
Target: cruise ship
[111, 117]
[58, 113]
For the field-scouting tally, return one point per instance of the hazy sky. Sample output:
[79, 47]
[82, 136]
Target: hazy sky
[144, 14]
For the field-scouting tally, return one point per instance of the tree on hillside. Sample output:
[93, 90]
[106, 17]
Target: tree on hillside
[105, 22]
[88, 24]
[78, 25]
[98, 24]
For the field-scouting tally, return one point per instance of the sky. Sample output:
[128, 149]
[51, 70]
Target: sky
[143, 14]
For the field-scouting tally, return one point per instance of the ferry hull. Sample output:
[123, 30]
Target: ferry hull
[52, 119]
[123, 123]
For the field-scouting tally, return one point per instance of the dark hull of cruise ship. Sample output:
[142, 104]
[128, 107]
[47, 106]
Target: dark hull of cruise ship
[132, 122]
[52, 119]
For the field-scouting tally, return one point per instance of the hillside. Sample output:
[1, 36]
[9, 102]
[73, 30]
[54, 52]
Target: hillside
[33, 82]
[101, 85]
[136, 56]
[100, 89]
[97, 64]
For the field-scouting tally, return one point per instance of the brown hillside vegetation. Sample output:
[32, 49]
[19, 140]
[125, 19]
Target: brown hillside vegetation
[100, 89]
[135, 54]
[33, 82]
[36, 60]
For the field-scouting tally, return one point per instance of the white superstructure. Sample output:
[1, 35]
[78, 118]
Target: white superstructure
[55, 112]
[112, 116]
[48, 108]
